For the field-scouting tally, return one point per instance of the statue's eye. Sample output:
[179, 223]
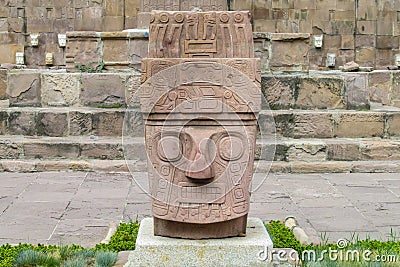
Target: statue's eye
[170, 148]
[230, 148]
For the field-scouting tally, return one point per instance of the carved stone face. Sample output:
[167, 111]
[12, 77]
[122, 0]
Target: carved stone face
[201, 169]
[318, 39]
[34, 39]
[62, 40]
[49, 58]
[331, 60]
[19, 58]
[397, 60]
[200, 95]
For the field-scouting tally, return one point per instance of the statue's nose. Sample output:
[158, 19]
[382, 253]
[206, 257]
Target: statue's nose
[200, 167]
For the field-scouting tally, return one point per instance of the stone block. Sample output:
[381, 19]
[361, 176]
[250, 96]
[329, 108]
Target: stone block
[310, 151]
[116, 50]
[22, 123]
[132, 86]
[320, 92]
[284, 124]
[320, 167]
[359, 124]
[365, 41]
[380, 84]
[396, 85]
[263, 25]
[279, 91]
[3, 25]
[387, 42]
[347, 42]
[4, 12]
[343, 27]
[80, 123]
[102, 90]
[131, 23]
[366, 27]
[290, 54]
[83, 48]
[39, 25]
[380, 150]
[16, 25]
[60, 89]
[137, 51]
[3, 122]
[393, 124]
[130, 11]
[384, 58]
[10, 150]
[89, 19]
[237, 251]
[366, 56]
[384, 27]
[37, 150]
[23, 88]
[313, 125]
[114, 8]
[18, 166]
[367, 10]
[305, 4]
[357, 90]
[343, 151]
[108, 123]
[7, 52]
[102, 151]
[347, 15]
[113, 23]
[52, 124]
[134, 124]
[3, 84]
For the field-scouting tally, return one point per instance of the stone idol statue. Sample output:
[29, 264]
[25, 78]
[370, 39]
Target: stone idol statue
[200, 98]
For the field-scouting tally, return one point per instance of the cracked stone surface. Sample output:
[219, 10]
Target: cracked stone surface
[67, 207]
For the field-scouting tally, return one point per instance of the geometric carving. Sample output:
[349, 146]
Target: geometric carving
[188, 5]
[204, 35]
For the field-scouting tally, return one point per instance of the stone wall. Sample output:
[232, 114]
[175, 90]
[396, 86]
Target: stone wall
[324, 90]
[365, 31]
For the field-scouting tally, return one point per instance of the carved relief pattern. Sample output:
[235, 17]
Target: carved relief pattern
[226, 198]
[241, 77]
[187, 5]
[200, 97]
[201, 35]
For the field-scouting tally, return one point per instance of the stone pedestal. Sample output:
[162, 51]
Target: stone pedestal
[237, 251]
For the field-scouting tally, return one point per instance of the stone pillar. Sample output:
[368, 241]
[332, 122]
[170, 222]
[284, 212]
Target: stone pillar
[146, 6]
[200, 97]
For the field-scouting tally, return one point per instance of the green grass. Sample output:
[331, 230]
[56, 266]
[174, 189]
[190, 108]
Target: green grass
[104, 255]
[282, 237]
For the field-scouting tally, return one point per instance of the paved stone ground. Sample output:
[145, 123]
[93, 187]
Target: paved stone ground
[64, 208]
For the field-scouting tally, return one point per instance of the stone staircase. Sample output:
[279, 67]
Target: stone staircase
[73, 121]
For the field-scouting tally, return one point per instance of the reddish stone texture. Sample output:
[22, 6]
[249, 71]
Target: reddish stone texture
[199, 99]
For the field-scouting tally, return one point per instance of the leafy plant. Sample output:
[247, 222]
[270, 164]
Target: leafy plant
[123, 239]
[90, 68]
[106, 258]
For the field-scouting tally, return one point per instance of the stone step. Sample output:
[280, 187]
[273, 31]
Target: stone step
[84, 121]
[310, 90]
[261, 167]
[286, 149]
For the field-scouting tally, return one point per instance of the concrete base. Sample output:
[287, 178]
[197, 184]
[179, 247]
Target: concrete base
[236, 251]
